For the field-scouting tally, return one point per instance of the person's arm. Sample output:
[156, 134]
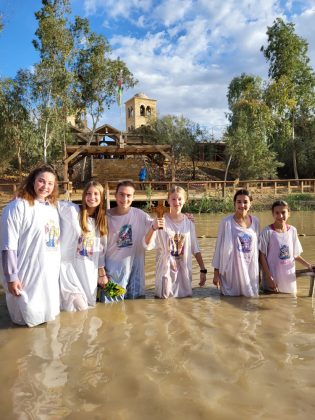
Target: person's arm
[304, 262]
[271, 282]
[203, 271]
[11, 221]
[155, 225]
[10, 271]
[297, 250]
[217, 254]
[102, 278]
[216, 277]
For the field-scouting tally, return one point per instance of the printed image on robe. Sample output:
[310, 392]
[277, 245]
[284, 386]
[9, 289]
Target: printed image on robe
[85, 247]
[244, 243]
[52, 235]
[177, 245]
[124, 237]
[284, 253]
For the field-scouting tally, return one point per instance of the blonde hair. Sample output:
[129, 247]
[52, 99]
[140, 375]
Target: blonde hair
[178, 190]
[100, 214]
[27, 191]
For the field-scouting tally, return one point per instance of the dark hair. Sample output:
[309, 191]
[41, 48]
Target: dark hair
[125, 183]
[26, 189]
[242, 192]
[279, 203]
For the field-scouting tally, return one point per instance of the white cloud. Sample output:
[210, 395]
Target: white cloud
[185, 52]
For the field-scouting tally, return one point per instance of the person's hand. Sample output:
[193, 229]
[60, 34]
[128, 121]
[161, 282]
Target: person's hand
[311, 267]
[272, 284]
[216, 279]
[158, 223]
[102, 280]
[203, 279]
[15, 287]
[190, 217]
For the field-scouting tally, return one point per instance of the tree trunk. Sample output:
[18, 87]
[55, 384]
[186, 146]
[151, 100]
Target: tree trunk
[45, 142]
[295, 170]
[226, 174]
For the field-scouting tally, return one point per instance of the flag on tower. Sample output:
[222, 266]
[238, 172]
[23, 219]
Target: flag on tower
[120, 89]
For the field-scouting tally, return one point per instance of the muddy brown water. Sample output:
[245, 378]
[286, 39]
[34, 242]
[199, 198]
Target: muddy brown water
[206, 357]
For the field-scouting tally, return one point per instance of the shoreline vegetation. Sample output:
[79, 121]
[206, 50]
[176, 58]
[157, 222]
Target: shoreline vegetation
[302, 201]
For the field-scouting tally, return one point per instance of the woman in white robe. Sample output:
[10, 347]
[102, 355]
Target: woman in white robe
[83, 245]
[30, 250]
[235, 261]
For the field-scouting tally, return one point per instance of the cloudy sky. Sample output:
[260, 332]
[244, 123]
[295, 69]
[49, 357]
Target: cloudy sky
[184, 53]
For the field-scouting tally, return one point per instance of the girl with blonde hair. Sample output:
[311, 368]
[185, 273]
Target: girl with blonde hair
[175, 239]
[83, 245]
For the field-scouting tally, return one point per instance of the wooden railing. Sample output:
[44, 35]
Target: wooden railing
[261, 186]
[198, 189]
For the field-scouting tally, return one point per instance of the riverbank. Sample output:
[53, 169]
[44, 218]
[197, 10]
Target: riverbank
[261, 202]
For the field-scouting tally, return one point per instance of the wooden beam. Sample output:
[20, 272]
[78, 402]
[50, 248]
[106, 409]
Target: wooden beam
[113, 150]
[74, 154]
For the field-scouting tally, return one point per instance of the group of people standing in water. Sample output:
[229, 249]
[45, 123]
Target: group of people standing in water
[55, 253]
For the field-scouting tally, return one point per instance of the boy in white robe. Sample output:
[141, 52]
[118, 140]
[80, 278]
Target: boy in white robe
[125, 253]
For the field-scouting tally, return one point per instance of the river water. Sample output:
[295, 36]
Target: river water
[206, 357]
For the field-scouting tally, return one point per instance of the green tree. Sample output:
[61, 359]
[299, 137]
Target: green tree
[16, 126]
[95, 74]
[291, 89]
[180, 133]
[51, 80]
[250, 129]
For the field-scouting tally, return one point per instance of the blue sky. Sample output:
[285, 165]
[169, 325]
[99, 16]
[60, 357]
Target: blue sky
[184, 53]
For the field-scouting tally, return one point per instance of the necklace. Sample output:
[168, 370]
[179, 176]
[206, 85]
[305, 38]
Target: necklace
[244, 222]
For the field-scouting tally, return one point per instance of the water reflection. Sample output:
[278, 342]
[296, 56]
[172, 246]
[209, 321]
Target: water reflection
[205, 357]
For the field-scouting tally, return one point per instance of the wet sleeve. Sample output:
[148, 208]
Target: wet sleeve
[297, 247]
[263, 241]
[218, 245]
[11, 224]
[103, 248]
[193, 237]
[9, 264]
[147, 222]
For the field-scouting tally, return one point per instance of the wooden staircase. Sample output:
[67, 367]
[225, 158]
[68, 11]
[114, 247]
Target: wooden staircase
[116, 169]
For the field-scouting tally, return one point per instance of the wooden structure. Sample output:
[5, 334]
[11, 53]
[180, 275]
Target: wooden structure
[157, 190]
[159, 154]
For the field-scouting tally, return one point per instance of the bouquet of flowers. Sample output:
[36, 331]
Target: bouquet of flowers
[110, 290]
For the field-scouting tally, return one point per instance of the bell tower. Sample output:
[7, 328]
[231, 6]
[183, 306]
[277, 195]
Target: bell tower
[140, 110]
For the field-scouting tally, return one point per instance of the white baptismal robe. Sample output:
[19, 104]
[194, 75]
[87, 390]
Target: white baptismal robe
[236, 257]
[33, 232]
[81, 256]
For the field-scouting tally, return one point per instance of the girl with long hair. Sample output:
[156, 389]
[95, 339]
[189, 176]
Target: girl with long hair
[83, 245]
[30, 249]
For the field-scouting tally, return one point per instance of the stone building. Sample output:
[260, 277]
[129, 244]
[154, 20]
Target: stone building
[140, 110]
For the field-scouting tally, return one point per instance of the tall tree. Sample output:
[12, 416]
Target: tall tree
[16, 125]
[52, 79]
[251, 126]
[95, 74]
[292, 82]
